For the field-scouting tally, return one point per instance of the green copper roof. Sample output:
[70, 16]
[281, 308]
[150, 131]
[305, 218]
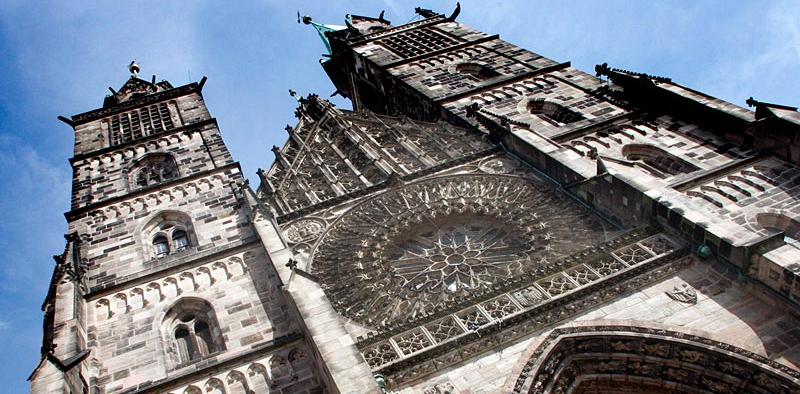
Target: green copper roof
[322, 29]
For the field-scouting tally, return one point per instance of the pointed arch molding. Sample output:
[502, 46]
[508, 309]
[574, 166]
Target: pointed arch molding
[582, 359]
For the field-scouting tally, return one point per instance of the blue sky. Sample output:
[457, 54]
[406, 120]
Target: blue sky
[59, 57]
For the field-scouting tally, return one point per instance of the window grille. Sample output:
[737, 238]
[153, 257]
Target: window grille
[139, 123]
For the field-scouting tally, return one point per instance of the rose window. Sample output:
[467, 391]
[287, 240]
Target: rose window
[457, 256]
[410, 250]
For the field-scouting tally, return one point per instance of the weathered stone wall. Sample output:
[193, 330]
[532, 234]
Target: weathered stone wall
[127, 323]
[727, 310]
[93, 135]
[102, 176]
[117, 249]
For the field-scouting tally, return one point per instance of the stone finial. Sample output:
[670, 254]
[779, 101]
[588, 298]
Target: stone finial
[134, 69]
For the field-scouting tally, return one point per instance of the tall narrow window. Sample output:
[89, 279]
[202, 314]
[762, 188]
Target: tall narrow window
[180, 240]
[185, 345]
[204, 341]
[139, 123]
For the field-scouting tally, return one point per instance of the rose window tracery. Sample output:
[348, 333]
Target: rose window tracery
[405, 252]
[457, 254]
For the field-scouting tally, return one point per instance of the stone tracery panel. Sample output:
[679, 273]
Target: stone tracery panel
[488, 320]
[425, 245]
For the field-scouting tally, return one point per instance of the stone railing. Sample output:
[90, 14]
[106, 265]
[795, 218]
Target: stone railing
[414, 352]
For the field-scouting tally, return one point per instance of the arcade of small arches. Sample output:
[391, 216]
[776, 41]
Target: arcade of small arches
[285, 369]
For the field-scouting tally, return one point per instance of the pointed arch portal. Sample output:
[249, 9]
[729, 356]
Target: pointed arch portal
[622, 359]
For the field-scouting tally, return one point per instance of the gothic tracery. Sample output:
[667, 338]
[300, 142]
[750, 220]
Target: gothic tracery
[430, 243]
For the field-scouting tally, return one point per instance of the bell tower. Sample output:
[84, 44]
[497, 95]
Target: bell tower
[163, 284]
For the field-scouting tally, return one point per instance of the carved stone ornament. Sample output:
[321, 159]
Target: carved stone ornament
[684, 294]
[425, 245]
[304, 230]
[440, 388]
[498, 165]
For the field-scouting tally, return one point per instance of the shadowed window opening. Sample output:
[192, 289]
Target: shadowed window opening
[552, 112]
[153, 169]
[180, 240]
[775, 222]
[477, 71]
[662, 162]
[194, 331]
[160, 246]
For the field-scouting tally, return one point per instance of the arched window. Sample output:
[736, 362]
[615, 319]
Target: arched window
[476, 71]
[192, 327]
[552, 112]
[160, 246]
[153, 169]
[180, 240]
[169, 233]
[664, 163]
[775, 222]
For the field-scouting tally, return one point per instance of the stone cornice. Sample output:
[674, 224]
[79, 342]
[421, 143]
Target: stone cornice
[258, 350]
[189, 128]
[127, 105]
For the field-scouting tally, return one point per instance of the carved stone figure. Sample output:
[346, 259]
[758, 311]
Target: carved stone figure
[683, 294]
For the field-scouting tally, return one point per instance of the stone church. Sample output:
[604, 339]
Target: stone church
[484, 220]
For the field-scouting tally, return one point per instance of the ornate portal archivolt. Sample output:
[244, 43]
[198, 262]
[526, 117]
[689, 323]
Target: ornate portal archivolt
[620, 359]
[425, 245]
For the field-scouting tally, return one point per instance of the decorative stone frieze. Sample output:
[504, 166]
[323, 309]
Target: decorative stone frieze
[170, 287]
[181, 190]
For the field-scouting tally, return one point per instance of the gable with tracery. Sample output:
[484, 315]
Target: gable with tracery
[331, 153]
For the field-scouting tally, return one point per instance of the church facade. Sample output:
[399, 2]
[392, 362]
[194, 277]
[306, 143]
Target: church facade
[485, 220]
